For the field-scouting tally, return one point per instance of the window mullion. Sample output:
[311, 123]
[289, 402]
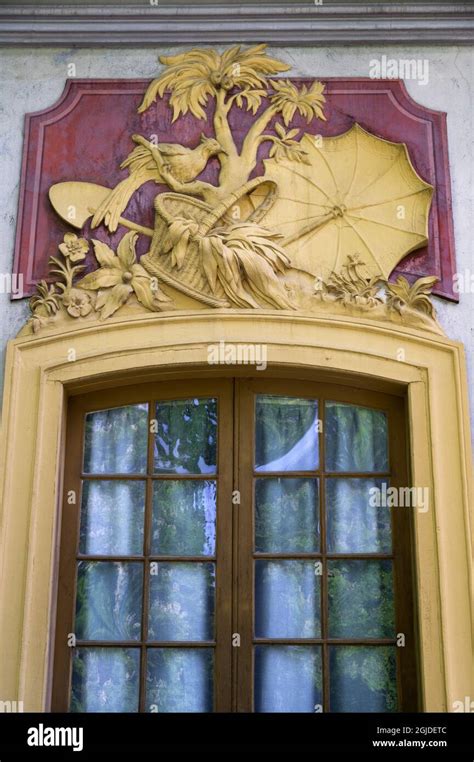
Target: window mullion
[324, 578]
[146, 552]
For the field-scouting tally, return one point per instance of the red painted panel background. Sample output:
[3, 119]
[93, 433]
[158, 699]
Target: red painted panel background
[87, 133]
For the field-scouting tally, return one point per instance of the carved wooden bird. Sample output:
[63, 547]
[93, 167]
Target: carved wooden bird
[162, 163]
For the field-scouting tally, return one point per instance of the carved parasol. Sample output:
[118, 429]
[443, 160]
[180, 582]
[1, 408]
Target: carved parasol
[356, 193]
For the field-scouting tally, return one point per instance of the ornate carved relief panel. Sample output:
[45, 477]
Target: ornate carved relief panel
[226, 184]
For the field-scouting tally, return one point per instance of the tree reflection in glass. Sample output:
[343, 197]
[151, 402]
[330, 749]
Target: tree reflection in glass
[288, 679]
[109, 600]
[363, 678]
[179, 680]
[287, 599]
[116, 440]
[286, 437]
[181, 601]
[286, 515]
[361, 601]
[184, 518]
[186, 436]
[356, 438]
[105, 680]
[112, 518]
[353, 524]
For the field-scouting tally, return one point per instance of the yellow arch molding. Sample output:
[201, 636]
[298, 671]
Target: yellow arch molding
[39, 376]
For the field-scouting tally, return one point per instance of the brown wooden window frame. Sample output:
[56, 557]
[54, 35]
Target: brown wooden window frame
[233, 670]
[394, 407]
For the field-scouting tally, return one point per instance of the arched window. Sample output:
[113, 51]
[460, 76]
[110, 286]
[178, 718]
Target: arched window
[231, 545]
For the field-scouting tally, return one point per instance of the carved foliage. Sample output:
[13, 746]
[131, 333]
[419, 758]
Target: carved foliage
[354, 284]
[400, 295]
[116, 279]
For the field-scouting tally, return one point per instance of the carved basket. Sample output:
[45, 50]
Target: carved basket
[253, 201]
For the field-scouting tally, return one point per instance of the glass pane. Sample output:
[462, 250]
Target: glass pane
[186, 436]
[180, 680]
[361, 599]
[288, 679]
[363, 679]
[112, 518]
[354, 523]
[286, 515]
[181, 601]
[356, 438]
[116, 441]
[286, 434]
[287, 599]
[105, 680]
[108, 600]
[184, 518]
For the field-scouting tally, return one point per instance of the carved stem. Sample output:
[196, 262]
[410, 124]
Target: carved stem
[270, 138]
[318, 222]
[222, 130]
[236, 170]
[251, 142]
[135, 226]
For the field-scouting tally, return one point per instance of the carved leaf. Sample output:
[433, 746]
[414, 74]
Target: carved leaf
[288, 99]
[423, 285]
[417, 296]
[105, 277]
[252, 98]
[104, 254]
[252, 62]
[288, 112]
[126, 250]
[46, 299]
[179, 251]
[209, 263]
[145, 295]
[280, 130]
[60, 268]
[196, 75]
[246, 259]
[109, 302]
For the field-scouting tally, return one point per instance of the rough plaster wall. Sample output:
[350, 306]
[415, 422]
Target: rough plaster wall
[33, 80]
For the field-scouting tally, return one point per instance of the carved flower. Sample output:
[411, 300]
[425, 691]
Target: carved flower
[77, 303]
[120, 276]
[74, 248]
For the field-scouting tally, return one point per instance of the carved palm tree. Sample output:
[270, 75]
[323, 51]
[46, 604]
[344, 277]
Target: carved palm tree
[237, 77]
